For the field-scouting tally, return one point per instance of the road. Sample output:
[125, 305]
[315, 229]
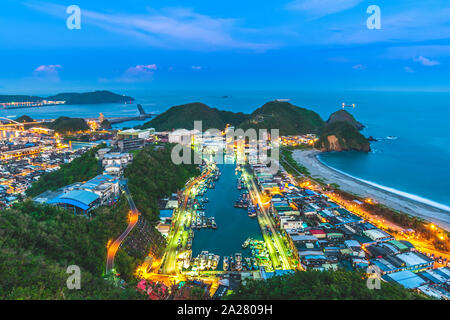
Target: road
[133, 219]
[170, 256]
[274, 243]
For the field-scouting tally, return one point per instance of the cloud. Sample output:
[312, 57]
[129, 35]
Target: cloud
[196, 67]
[359, 67]
[408, 69]
[320, 8]
[47, 72]
[168, 28]
[138, 73]
[426, 62]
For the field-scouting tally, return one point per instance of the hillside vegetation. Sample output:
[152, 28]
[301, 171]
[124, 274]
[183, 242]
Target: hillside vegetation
[289, 119]
[183, 116]
[64, 125]
[95, 97]
[38, 243]
[152, 175]
[321, 285]
[345, 116]
[273, 115]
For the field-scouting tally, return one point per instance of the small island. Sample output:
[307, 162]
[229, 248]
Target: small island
[70, 98]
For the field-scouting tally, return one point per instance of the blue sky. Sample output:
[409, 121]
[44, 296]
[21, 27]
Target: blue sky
[203, 45]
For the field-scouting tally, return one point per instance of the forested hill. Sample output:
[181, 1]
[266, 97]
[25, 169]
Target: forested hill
[321, 285]
[183, 116]
[94, 97]
[289, 119]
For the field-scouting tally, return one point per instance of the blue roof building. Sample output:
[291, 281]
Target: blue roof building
[78, 200]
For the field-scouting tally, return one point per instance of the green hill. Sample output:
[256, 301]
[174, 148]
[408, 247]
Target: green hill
[24, 118]
[321, 285]
[342, 136]
[18, 98]
[289, 119]
[183, 116]
[64, 125]
[345, 116]
[94, 97]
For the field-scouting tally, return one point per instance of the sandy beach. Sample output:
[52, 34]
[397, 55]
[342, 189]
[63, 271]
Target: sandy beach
[393, 200]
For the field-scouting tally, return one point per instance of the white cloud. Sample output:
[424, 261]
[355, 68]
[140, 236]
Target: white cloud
[138, 73]
[47, 72]
[320, 8]
[359, 67]
[408, 69]
[196, 67]
[426, 62]
[167, 28]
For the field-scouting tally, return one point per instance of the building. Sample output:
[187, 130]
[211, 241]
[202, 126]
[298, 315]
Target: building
[78, 201]
[183, 136]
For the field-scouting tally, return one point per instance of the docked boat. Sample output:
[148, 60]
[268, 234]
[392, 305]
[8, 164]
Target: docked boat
[248, 263]
[225, 263]
[215, 262]
[246, 243]
[238, 257]
[209, 261]
[213, 223]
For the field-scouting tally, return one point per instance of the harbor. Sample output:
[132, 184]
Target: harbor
[236, 234]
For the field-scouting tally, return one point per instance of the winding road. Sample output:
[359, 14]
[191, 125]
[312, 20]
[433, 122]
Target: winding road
[133, 219]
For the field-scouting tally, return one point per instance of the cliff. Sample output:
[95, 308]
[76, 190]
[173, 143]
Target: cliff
[342, 136]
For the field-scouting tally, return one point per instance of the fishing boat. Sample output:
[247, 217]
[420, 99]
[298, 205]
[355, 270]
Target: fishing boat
[213, 223]
[232, 264]
[238, 257]
[254, 263]
[209, 261]
[246, 243]
[225, 263]
[248, 263]
[215, 262]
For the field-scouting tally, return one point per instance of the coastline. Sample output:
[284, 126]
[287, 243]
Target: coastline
[394, 199]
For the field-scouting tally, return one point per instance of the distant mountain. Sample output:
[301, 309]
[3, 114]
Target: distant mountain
[95, 97]
[289, 119]
[183, 116]
[345, 116]
[342, 136]
[19, 98]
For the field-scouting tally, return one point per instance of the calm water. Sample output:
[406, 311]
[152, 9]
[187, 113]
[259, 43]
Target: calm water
[417, 162]
[233, 224]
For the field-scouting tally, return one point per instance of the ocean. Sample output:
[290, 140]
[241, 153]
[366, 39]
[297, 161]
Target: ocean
[414, 160]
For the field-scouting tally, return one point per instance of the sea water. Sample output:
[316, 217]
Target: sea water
[415, 160]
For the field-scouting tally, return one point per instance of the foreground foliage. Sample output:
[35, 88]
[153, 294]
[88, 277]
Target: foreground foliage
[325, 285]
[38, 243]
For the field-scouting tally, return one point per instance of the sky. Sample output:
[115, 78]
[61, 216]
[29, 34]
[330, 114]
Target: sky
[211, 45]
